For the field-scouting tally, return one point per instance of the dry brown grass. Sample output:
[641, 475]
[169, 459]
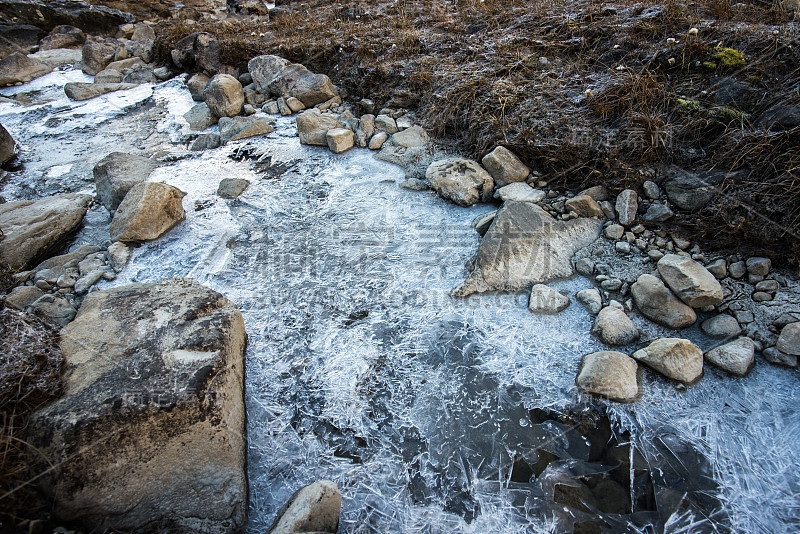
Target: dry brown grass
[31, 366]
[764, 193]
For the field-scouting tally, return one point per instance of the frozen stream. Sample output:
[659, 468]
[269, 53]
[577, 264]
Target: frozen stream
[361, 369]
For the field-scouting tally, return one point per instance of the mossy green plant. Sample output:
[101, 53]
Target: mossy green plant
[727, 115]
[725, 59]
[688, 106]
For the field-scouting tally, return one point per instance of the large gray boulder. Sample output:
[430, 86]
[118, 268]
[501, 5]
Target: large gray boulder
[31, 227]
[149, 210]
[151, 429]
[47, 14]
[19, 68]
[504, 166]
[690, 281]
[610, 374]
[461, 180]
[265, 70]
[659, 304]
[313, 126]
[7, 145]
[313, 508]
[197, 51]
[690, 191]
[677, 359]
[117, 173]
[224, 95]
[297, 81]
[85, 91]
[525, 246]
[96, 57]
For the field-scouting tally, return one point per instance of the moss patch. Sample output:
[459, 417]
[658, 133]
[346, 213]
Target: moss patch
[725, 59]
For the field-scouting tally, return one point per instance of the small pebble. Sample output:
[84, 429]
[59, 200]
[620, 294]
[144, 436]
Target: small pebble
[743, 316]
[760, 296]
[767, 285]
[737, 269]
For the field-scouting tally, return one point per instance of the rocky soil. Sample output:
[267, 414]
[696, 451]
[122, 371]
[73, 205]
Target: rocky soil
[154, 372]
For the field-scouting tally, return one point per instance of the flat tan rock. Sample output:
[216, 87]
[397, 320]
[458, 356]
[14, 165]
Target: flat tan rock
[677, 359]
[31, 227]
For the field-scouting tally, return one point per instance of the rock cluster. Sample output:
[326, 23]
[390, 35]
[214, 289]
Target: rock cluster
[55, 288]
[681, 285]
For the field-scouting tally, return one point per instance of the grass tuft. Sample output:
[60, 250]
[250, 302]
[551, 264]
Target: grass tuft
[31, 366]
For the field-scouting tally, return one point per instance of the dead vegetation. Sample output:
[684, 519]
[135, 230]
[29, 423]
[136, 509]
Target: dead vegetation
[585, 92]
[31, 366]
